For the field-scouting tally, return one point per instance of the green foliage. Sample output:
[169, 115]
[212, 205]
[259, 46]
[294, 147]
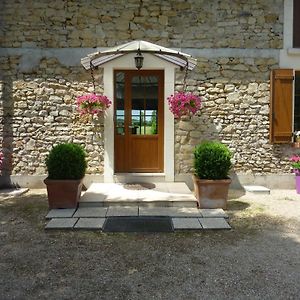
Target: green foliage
[66, 161]
[212, 160]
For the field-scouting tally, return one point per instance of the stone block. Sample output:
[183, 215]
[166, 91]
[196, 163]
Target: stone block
[170, 211]
[90, 223]
[214, 223]
[186, 224]
[122, 211]
[61, 223]
[61, 213]
[256, 190]
[90, 212]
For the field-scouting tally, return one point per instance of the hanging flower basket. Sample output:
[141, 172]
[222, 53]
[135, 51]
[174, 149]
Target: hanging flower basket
[184, 104]
[92, 104]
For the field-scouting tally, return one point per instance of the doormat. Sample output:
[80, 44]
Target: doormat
[139, 186]
[138, 224]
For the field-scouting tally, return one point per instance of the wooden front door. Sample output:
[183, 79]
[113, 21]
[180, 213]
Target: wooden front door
[138, 119]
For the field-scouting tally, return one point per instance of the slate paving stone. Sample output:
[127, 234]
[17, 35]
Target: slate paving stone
[90, 223]
[170, 211]
[90, 212]
[186, 224]
[61, 223]
[214, 223]
[122, 211]
[213, 213]
[61, 213]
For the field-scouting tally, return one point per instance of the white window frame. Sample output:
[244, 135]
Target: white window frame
[289, 57]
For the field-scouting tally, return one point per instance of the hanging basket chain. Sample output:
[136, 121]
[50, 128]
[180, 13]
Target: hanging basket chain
[185, 75]
[92, 75]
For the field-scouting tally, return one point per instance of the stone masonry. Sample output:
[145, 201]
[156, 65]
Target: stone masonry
[38, 103]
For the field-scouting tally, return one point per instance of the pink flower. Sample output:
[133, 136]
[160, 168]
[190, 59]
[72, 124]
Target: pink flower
[92, 104]
[295, 159]
[182, 103]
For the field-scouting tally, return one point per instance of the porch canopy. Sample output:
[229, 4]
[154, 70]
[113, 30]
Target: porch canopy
[101, 57]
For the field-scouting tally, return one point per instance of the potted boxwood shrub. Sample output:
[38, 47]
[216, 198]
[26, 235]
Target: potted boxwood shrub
[211, 182]
[66, 165]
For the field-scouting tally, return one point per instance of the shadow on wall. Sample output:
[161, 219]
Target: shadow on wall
[7, 132]
[191, 132]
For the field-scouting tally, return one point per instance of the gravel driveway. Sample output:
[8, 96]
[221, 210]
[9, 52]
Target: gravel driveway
[258, 259]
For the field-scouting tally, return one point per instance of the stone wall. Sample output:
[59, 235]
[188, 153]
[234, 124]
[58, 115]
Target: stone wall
[175, 23]
[38, 111]
[236, 98]
[38, 103]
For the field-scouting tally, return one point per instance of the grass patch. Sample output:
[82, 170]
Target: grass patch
[30, 207]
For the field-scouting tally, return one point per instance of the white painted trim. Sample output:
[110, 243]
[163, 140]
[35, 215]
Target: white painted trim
[108, 83]
[289, 57]
[151, 62]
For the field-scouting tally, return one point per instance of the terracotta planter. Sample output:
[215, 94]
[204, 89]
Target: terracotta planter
[63, 193]
[211, 193]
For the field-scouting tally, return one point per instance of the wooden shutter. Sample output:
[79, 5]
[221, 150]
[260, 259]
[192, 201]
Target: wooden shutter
[296, 24]
[281, 106]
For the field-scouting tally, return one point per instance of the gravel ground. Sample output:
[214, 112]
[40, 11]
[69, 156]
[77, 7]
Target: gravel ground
[258, 259]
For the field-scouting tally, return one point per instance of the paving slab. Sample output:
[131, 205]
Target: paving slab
[178, 188]
[170, 211]
[186, 224]
[61, 213]
[256, 189]
[13, 192]
[213, 213]
[214, 223]
[122, 211]
[90, 223]
[61, 223]
[90, 212]
[92, 197]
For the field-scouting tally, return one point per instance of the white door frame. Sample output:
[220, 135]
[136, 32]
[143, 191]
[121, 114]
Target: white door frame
[151, 62]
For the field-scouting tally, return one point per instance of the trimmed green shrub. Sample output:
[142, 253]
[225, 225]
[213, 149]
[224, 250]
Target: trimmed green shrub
[66, 161]
[212, 160]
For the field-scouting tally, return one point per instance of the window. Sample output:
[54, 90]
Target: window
[296, 24]
[297, 101]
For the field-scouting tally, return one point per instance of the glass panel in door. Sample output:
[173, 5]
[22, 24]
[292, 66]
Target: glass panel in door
[120, 103]
[144, 105]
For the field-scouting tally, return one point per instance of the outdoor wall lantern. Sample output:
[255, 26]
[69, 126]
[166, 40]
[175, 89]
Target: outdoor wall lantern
[139, 59]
